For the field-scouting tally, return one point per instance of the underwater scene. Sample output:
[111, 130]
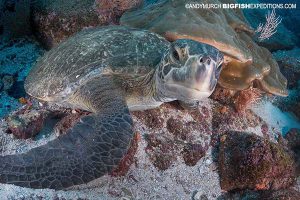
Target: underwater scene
[149, 99]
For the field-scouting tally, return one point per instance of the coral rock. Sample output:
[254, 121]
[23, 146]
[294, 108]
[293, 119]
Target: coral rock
[247, 161]
[232, 120]
[162, 151]
[152, 118]
[176, 127]
[245, 98]
[285, 194]
[25, 125]
[225, 29]
[292, 75]
[192, 153]
[171, 133]
[54, 21]
[223, 95]
[289, 194]
[115, 8]
[289, 62]
[293, 138]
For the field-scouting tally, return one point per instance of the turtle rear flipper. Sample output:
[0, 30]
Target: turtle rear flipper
[93, 147]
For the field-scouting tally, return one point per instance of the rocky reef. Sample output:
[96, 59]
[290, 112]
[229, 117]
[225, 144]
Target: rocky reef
[254, 163]
[54, 21]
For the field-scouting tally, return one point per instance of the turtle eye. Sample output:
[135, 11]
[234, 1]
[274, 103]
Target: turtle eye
[201, 60]
[176, 55]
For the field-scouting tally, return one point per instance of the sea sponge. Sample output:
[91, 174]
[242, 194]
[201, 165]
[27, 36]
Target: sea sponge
[226, 29]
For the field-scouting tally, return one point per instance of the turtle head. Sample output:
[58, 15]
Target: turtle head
[189, 70]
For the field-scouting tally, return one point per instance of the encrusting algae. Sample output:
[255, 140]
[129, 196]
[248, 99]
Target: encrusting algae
[246, 63]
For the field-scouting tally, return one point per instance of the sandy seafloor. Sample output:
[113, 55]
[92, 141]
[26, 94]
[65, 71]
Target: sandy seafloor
[143, 180]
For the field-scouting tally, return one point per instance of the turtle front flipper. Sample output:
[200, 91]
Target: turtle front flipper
[92, 148]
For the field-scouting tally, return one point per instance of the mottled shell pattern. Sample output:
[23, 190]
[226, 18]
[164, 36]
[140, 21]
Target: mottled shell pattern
[92, 53]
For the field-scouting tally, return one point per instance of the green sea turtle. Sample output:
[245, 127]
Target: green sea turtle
[107, 71]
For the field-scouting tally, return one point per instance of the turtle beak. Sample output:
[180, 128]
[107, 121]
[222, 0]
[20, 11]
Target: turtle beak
[209, 77]
[201, 70]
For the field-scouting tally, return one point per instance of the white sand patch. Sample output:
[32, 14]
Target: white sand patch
[274, 117]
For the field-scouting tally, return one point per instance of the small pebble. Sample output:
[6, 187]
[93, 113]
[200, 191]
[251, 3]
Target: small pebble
[200, 169]
[208, 161]
[199, 196]
[223, 110]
